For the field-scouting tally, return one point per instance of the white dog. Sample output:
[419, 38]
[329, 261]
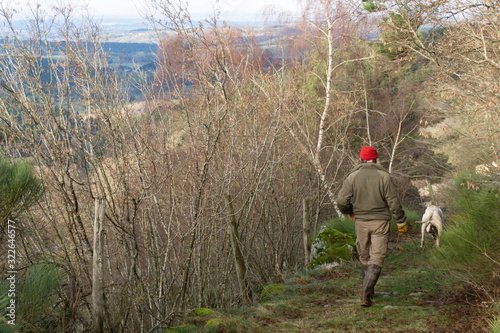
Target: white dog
[432, 223]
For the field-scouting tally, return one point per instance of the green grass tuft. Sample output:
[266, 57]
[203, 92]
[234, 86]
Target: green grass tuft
[270, 291]
[342, 224]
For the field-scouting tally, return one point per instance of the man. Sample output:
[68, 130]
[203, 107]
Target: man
[369, 197]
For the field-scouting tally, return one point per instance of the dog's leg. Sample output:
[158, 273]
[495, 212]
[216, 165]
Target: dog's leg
[423, 234]
[439, 228]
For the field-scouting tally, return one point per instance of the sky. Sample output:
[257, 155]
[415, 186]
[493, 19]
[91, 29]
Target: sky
[231, 10]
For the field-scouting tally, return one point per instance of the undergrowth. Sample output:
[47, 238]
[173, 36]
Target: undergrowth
[470, 241]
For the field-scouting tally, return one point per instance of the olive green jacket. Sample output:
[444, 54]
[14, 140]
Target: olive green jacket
[369, 193]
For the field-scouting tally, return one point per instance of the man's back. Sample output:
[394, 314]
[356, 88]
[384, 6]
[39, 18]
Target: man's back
[372, 194]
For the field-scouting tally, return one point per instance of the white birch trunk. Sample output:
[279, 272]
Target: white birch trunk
[97, 267]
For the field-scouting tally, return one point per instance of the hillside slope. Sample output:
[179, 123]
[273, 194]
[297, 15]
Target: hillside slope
[411, 296]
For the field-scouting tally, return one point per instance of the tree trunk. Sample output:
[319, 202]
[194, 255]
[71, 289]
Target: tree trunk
[306, 231]
[97, 264]
[238, 256]
[431, 192]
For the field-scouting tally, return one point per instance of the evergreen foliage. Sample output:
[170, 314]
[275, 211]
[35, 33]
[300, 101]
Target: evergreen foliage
[370, 6]
[397, 35]
[495, 325]
[19, 187]
[470, 242]
[35, 297]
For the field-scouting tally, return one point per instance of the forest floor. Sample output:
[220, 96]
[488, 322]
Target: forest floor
[411, 296]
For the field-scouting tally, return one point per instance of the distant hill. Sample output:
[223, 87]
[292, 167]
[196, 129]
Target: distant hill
[116, 47]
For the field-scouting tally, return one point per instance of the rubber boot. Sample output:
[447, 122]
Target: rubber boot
[363, 271]
[370, 280]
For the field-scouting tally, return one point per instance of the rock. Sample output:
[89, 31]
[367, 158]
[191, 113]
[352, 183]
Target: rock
[389, 307]
[213, 323]
[329, 266]
[392, 307]
[204, 312]
[181, 328]
[317, 243]
[332, 247]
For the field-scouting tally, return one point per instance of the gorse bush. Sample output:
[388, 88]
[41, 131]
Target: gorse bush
[19, 188]
[470, 241]
[35, 296]
[495, 325]
[38, 293]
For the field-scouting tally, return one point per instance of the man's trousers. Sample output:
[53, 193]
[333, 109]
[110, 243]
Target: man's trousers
[372, 238]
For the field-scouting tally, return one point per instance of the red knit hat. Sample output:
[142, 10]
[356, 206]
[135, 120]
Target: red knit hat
[368, 153]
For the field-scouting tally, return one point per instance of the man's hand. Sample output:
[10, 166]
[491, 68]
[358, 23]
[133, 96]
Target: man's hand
[402, 229]
[351, 216]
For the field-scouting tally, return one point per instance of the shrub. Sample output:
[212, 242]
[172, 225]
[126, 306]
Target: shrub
[494, 325]
[35, 299]
[19, 188]
[470, 243]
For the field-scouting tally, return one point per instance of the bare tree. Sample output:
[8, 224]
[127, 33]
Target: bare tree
[459, 46]
[331, 26]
